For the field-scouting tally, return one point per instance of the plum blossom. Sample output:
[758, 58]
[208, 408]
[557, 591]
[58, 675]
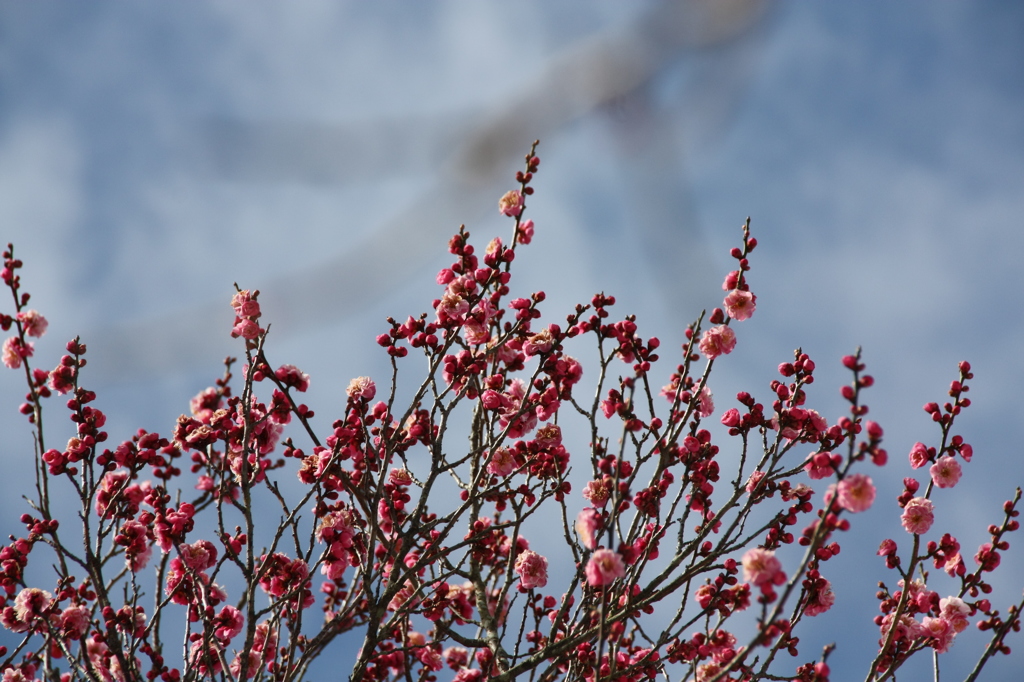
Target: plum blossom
[588, 524]
[532, 569]
[604, 567]
[598, 492]
[856, 493]
[33, 323]
[821, 600]
[717, 341]
[361, 387]
[919, 455]
[511, 203]
[501, 463]
[762, 568]
[946, 472]
[955, 611]
[740, 305]
[918, 515]
[705, 403]
[14, 352]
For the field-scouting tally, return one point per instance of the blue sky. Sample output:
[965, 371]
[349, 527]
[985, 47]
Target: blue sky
[151, 155]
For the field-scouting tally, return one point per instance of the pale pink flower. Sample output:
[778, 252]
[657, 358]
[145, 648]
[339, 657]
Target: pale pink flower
[245, 305]
[532, 569]
[856, 493]
[31, 602]
[604, 567]
[918, 455]
[501, 463]
[476, 333]
[33, 323]
[511, 204]
[762, 568]
[362, 387]
[717, 341]
[946, 472]
[598, 492]
[954, 610]
[14, 352]
[705, 403]
[740, 305]
[74, 621]
[918, 515]
[588, 525]
[940, 630]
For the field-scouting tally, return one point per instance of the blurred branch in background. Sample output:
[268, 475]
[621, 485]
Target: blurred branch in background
[606, 73]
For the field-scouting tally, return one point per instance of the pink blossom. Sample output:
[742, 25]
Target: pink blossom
[501, 463]
[822, 599]
[245, 304]
[31, 602]
[856, 493]
[362, 387]
[245, 328]
[946, 472]
[598, 492]
[919, 455]
[705, 403]
[955, 611]
[549, 436]
[293, 377]
[525, 233]
[819, 465]
[74, 622]
[199, 556]
[33, 323]
[940, 630]
[762, 568]
[532, 569]
[511, 204]
[14, 352]
[540, 342]
[740, 305]
[228, 624]
[918, 515]
[588, 525]
[752, 482]
[717, 341]
[604, 567]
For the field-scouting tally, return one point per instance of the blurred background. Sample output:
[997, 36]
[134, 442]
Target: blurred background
[322, 152]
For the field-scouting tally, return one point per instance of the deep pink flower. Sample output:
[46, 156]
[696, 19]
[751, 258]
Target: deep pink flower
[532, 569]
[918, 515]
[362, 387]
[762, 568]
[946, 472]
[919, 455]
[740, 305]
[511, 204]
[588, 525]
[604, 567]
[856, 493]
[821, 600]
[525, 233]
[717, 341]
[33, 323]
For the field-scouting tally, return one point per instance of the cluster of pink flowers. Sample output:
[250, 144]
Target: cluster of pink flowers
[418, 537]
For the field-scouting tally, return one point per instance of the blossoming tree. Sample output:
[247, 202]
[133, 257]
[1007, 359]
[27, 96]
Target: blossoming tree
[411, 518]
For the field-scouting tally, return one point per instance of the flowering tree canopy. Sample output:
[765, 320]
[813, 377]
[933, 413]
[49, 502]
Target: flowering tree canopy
[410, 521]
